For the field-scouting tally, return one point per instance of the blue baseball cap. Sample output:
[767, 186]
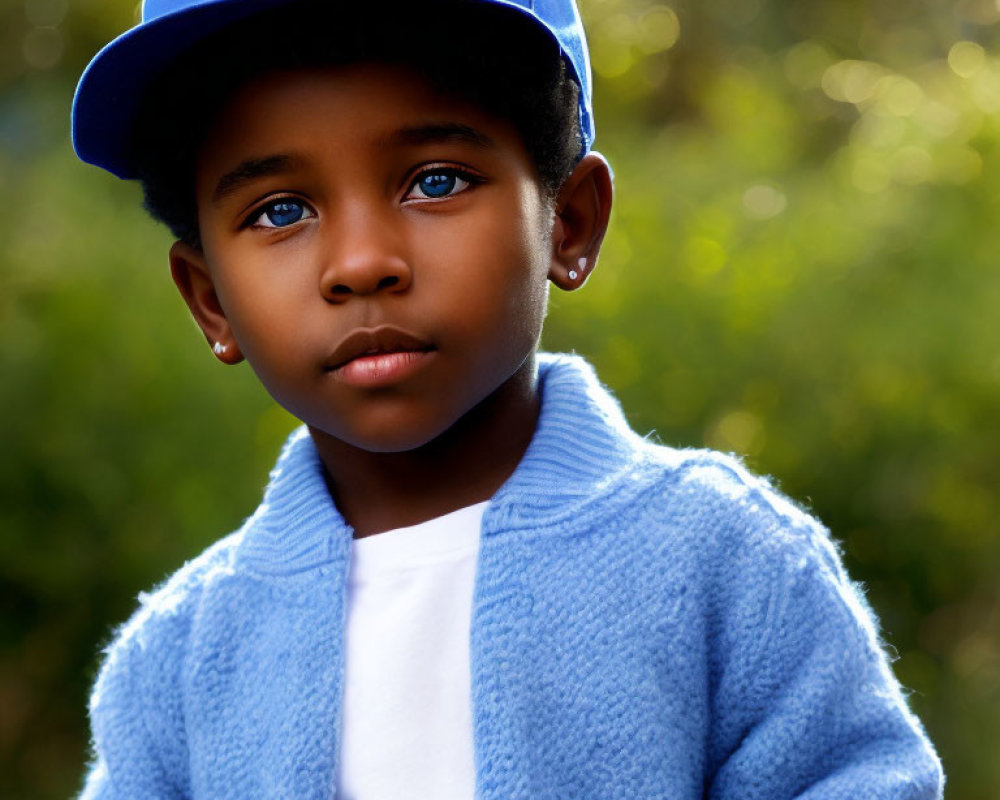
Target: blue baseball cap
[112, 88]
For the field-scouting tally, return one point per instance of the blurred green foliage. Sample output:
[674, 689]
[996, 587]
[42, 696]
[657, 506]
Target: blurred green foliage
[801, 268]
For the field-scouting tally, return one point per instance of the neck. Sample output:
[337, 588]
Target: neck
[466, 464]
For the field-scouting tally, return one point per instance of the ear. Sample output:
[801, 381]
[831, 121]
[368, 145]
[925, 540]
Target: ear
[583, 209]
[194, 281]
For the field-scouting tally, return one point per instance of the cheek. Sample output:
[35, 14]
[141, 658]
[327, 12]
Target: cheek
[523, 233]
[528, 248]
[256, 288]
[497, 279]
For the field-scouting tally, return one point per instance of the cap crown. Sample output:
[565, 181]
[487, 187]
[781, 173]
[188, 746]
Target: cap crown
[112, 87]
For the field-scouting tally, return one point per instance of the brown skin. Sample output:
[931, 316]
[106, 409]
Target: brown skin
[360, 245]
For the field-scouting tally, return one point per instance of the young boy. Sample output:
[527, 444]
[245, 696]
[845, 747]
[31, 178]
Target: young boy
[468, 577]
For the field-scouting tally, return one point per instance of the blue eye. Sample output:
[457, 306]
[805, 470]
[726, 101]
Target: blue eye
[281, 213]
[438, 183]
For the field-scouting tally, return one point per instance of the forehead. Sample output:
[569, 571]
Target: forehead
[363, 92]
[326, 112]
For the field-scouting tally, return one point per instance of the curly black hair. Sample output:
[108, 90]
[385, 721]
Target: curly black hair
[490, 56]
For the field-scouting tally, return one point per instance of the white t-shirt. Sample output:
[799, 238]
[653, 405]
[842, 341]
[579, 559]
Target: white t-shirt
[407, 709]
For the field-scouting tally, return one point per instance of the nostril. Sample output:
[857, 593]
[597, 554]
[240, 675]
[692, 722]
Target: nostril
[364, 286]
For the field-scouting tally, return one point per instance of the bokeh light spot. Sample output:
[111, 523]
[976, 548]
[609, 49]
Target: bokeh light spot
[805, 64]
[763, 201]
[852, 81]
[738, 431]
[901, 96]
[966, 58]
[912, 165]
[42, 48]
[611, 47]
[986, 89]
[659, 30]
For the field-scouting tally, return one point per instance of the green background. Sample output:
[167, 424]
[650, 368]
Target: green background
[802, 268]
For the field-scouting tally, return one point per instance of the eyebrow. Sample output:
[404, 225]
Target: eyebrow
[253, 169]
[436, 133]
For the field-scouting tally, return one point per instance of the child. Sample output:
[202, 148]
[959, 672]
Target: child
[468, 577]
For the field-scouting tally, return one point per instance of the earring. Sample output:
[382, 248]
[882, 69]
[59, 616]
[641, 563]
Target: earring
[582, 264]
[219, 348]
[573, 275]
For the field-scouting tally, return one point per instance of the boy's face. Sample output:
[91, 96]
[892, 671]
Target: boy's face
[379, 252]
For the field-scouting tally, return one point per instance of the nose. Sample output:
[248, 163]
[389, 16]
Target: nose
[364, 255]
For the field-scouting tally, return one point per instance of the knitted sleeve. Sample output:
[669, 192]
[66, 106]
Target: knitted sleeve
[137, 708]
[137, 741]
[137, 713]
[805, 704]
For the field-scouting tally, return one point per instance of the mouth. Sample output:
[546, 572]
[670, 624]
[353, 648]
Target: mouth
[373, 356]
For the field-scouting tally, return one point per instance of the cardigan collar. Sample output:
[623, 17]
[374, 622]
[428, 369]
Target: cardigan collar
[582, 441]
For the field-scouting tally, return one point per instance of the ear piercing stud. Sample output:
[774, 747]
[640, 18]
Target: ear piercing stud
[573, 274]
[219, 348]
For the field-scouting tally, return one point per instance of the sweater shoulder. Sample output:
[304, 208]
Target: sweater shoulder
[721, 506]
[716, 480]
[754, 550]
[163, 618]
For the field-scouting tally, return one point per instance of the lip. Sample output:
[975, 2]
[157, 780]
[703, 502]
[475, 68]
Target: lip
[377, 356]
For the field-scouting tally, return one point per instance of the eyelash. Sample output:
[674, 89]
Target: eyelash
[456, 174]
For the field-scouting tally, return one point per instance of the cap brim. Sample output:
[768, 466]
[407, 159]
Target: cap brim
[102, 120]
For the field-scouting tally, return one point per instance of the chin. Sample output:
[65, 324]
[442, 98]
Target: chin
[387, 438]
[394, 444]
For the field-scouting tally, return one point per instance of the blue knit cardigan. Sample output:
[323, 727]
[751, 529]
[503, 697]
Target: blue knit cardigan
[647, 623]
